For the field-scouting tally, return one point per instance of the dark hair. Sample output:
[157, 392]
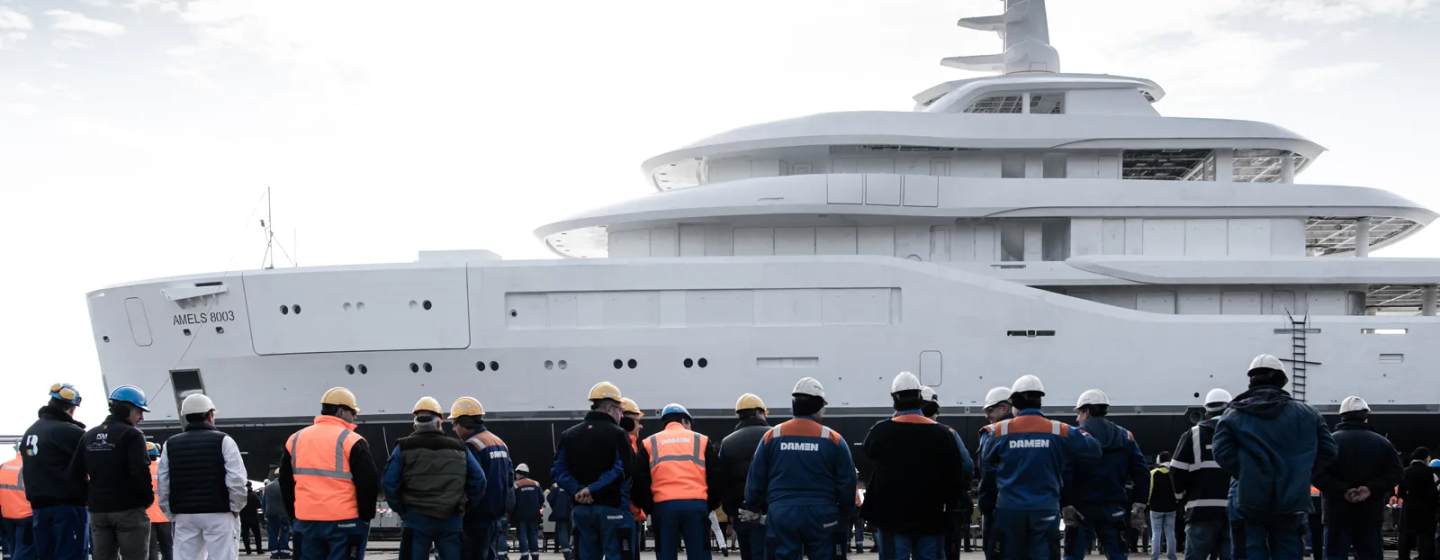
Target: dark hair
[1266, 376]
[674, 417]
[1420, 454]
[806, 405]
[1026, 399]
[333, 409]
[472, 423]
[930, 409]
[62, 405]
[747, 413]
[426, 418]
[1164, 456]
[195, 417]
[118, 408]
[1097, 410]
[1356, 416]
[907, 400]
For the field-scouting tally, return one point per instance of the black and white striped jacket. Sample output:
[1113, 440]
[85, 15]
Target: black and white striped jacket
[1200, 484]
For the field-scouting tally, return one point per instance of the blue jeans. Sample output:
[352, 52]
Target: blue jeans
[477, 539]
[61, 533]
[795, 530]
[1024, 534]
[331, 540]
[277, 528]
[1105, 523]
[1204, 539]
[598, 528]
[1275, 537]
[902, 546]
[562, 536]
[527, 534]
[682, 519]
[426, 531]
[1162, 529]
[1362, 534]
[20, 538]
[752, 539]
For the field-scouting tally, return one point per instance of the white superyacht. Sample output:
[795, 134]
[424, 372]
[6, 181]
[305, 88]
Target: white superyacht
[1034, 221]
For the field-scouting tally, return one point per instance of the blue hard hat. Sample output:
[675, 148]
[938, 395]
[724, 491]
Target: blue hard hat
[1435, 463]
[65, 392]
[131, 395]
[674, 408]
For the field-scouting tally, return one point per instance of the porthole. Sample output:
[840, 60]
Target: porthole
[186, 331]
[549, 364]
[284, 310]
[349, 369]
[479, 366]
[425, 304]
[346, 306]
[427, 367]
[563, 365]
[514, 313]
[105, 338]
[364, 370]
[494, 366]
[632, 363]
[219, 330]
[689, 363]
[414, 367]
[703, 362]
[296, 307]
[617, 363]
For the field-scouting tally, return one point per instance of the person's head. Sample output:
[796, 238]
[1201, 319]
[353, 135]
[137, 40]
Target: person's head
[1216, 401]
[1027, 392]
[1163, 458]
[467, 415]
[152, 450]
[1354, 409]
[198, 409]
[1267, 371]
[905, 391]
[749, 406]
[340, 403]
[1421, 454]
[1093, 403]
[929, 403]
[997, 404]
[522, 471]
[630, 415]
[427, 415]
[675, 412]
[808, 398]
[128, 402]
[605, 399]
[64, 397]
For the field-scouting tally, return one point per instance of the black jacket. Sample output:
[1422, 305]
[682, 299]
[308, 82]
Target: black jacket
[589, 450]
[1417, 488]
[1162, 490]
[196, 462]
[918, 475]
[641, 492]
[1203, 487]
[529, 500]
[49, 448]
[113, 468]
[362, 474]
[1366, 459]
[561, 504]
[736, 452]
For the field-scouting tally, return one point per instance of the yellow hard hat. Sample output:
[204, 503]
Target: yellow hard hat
[340, 396]
[466, 406]
[628, 406]
[750, 401]
[428, 404]
[605, 390]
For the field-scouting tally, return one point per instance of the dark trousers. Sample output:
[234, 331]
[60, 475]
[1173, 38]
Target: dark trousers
[752, 539]
[278, 528]
[331, 540]
[250, 525]
[988, 543]
[120, 534]
[1417, 534]
[527, 537]
[562, 536]
[19, 538]
[1363, 535]
[795, 531]
[1276, 537]
[477, 539]
[1102, 524]
[61, 532]
[425, 533]
[1207, 539]
[1028, 535]
[677, 520]
[598, 529]
[162, 541]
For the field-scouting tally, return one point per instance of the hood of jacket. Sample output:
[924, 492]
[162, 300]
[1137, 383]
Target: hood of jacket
[1345, 426]
[48, 412]
[1264, 402]
[1110, 436]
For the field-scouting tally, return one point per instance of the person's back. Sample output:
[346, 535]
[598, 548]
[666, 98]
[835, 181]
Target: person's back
[1162, 506]
[591, 463]
[202, 484]
[526, 515]
[1358, 483]
[1099, 501]
[917, 474]
[1418, 492]
[428, 480]
[58, 506]
[113, 467]
[737, 451]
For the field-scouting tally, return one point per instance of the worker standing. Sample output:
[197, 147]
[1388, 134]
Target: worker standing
[677, 481]
[113, 470]
[1417, 521]
[920, 473]
[329, 482]
[1030, 455]
[202, 484]
[525, 517]
[1357, 484]
[277, 521]
[959, 512]
[1203, 486]
[1162, 505]
[634, 541]
[737, 450]
[561, 505]
[592, 463]
[428, 480]
[997, 408]
[15, 510]
[1271, 444]
[482, 520]
[162, 541]
[1098, 503]
[61, 525]
[803, 479]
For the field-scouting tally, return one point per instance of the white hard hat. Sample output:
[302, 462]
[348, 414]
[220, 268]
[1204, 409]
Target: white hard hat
[1353, 403]
[196, 403]
[809, 386]
[929, 395]
[1092, 396]
[996, 396]
[1027, 384]
[522, 468]
[904, 381]
[1266, 361]
[1217, 399]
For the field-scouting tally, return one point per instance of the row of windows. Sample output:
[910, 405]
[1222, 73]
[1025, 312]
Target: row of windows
[1048, 103]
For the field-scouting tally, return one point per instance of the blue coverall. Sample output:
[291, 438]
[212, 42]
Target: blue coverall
[803, 477]
[1028, 456]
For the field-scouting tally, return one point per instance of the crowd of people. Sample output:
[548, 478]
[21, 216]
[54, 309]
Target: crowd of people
[1241, 481]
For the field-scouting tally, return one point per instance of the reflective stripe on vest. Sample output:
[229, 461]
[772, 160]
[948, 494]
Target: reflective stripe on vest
[677, 464]
[319, 458]
[13, 504]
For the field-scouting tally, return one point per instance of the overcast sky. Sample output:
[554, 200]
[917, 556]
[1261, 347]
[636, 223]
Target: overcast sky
[137, 136]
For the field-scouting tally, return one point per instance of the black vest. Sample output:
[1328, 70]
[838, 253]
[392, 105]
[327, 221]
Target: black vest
[197, 471]
[435, 469]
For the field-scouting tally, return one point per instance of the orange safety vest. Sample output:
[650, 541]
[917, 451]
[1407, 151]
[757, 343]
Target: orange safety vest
[677, 464]
[320, 461]
[156, 516]
[635, 511]
[13, 504]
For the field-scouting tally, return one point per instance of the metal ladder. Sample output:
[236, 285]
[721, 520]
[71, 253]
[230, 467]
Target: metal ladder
[1299, 353]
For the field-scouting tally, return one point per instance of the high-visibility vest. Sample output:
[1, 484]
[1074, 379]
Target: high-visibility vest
[677, 464]
[13, 504]
[635, 511]
[320, 461]
[156, 516]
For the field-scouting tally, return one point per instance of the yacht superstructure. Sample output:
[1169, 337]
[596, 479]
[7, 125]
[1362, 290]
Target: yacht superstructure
[1030, 222]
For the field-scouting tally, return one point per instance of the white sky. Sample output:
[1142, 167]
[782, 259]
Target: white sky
[137, 136]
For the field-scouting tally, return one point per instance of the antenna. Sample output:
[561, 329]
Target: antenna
[1025, 32]
[267, 226]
